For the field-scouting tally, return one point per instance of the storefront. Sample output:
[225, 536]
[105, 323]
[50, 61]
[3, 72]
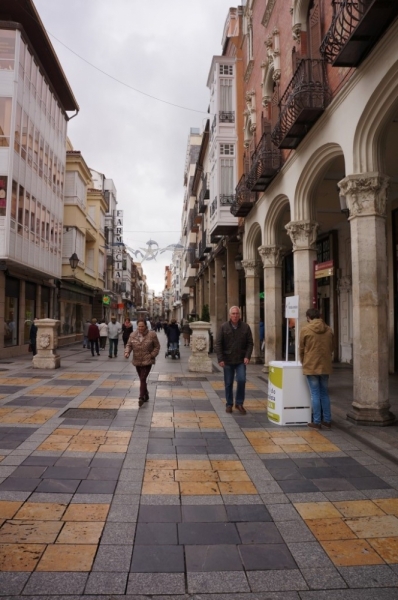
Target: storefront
[75, 308]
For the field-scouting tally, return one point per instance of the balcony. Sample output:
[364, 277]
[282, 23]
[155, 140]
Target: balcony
[194, 219]
[227, 199]
[356, 27]
[302, 103]
[245, 199]
[226, 116]
[204, 195]
[265, 164]
[204, 247]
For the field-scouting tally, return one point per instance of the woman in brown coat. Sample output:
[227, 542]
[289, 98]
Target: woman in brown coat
[145, 347]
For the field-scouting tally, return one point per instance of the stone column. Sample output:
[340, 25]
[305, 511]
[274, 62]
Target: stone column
[220, 292]
[47, 344]
[366, 197]
[272, 262]
[212, 297]
[199, 361]
[253, 272]
[303, 235]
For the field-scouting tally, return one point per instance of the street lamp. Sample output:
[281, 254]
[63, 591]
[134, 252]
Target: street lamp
[74, 261]
[238, 262]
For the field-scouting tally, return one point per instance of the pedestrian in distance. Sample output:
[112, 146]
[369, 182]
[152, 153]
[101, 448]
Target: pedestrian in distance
[114, 331]
[173, 337]
[93, 337]
[103, 329]
[316, 350]
[85, 334]
[186, 333]
[144, 345]
[127, 330]
[234, 347]
[33, 336]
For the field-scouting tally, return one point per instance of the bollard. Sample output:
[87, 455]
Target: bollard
[46, 345]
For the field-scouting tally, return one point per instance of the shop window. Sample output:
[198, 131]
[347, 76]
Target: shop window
[5, 121]
[11, 306]
[14, 196]
[20, 208]
[30, 308]
[3, 196]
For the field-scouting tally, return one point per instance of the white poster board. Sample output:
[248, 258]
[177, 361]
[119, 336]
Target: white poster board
[292, 312]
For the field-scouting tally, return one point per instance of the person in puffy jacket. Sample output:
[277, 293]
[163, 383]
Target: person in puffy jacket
[144, 345]
[316, 350]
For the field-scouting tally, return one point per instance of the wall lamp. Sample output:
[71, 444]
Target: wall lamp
[74, 261]
[238, 262]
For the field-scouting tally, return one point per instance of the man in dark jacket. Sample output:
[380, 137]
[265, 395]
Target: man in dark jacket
[93, 336]
[173, 337]
[234, 347]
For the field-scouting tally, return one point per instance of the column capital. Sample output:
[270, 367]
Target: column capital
[366, 194]
[272, 255]
[303, 234]
[252, 268]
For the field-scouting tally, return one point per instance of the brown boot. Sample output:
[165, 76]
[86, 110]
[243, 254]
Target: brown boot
[240, 408]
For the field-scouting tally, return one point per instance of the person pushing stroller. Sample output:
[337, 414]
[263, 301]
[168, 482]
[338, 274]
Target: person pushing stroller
[173, 338]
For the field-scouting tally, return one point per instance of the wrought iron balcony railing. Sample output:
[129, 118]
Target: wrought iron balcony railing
[245, 199]
[356, 27]
[204, 195]
[265, 163]
[226, 116]
[227, 199]
[302, 103]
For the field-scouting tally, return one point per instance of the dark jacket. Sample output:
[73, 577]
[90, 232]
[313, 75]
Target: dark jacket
[127, 330]
[145, 351]
[93, 333]
[234, 345]
[33, 333]
[173, 333]
[316, 348]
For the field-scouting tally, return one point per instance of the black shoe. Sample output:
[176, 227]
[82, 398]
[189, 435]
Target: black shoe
[141, 401]
[110, 356]
[146, 397]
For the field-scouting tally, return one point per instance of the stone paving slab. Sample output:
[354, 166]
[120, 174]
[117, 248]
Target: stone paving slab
[180, 500]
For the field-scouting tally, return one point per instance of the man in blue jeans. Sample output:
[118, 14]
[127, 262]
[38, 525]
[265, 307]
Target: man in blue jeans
[316, 350]
[234, 347]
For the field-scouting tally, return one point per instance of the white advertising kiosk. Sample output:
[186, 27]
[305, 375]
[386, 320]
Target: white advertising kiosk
[289, 400]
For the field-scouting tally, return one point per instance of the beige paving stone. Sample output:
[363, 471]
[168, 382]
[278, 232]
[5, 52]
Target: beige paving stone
[203, 488]
[81, 533]
[282, 434]
[317, 510]
[293, 448]
[227, 465]
[184, 464]
[29, 532]
[233, 476]
[324, 448]
[86, 512]
[269, 449]
[330, 529]
[41, 511]
[9, 508]
[66, 431]
[387, 548]
[67, 557]
[289, 441]
[158, 475]
[196, 475]
[116, 449]
[160, 488]
[257, 435]
[358, 508]
[82, 447]
[237, 487]
[20, 557]
[162, 464]
[351, 553]
[53, 446]
[374, 527]
[388, 505]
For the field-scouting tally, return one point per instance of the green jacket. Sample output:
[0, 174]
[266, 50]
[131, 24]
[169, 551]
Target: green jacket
[234, 345]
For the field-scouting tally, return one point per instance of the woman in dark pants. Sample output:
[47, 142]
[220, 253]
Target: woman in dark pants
[145, 347]
[127, 330]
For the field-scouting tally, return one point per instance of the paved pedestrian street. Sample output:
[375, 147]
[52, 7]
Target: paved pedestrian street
[179, 499]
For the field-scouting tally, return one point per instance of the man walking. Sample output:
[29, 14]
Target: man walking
[316, 349]
[93, 337]
[234, 347]
[114, 330]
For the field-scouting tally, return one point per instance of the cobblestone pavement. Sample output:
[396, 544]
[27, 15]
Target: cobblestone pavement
[179, 499]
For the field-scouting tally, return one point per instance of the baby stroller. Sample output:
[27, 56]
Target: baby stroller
[170, 352]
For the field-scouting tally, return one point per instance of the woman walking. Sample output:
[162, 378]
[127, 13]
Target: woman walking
[145, 347]
[186, 333]
[103, 329]
[127, 330]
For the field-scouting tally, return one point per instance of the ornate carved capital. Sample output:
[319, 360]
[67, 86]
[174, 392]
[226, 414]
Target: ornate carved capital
[366, 194]
[303, 234]
[276, 75]
[272, 255]
[265, 101]
[296, 30]
[252, 268]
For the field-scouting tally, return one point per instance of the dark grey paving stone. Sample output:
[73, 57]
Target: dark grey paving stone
[212, 558]
[157, 559]
[55, 583]
[156, 583]
[374, 576]
[349, 471]
[295, 531]
[341, 461]
[191, 441]
[220, 582]
[12, 584]
[70, 461]
[326, 578]
[319, 472]
[253, 512]
[66, 473]
[106, 583]
[29, 472]
[198, 450]
[279, 463]
[309, 554]
[90, 486]
[45, 461]
[103, 474]
[204, 514]
[118, 533]
[369, 483]
[193, 534]
[283, 474]
[257, 557]
[13, 484]
[58, 486]
[277, 581]
[113, 558]
[159, 514]
[259, 533]
[306, 463]
[107, 463]
[297, 486]
[333, 485]
[360, 594]
[156, 534]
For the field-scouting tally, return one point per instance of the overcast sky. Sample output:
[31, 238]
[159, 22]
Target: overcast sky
[163, 48]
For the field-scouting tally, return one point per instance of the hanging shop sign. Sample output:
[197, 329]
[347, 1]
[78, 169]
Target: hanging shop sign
[325, 269]
[106, 300]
